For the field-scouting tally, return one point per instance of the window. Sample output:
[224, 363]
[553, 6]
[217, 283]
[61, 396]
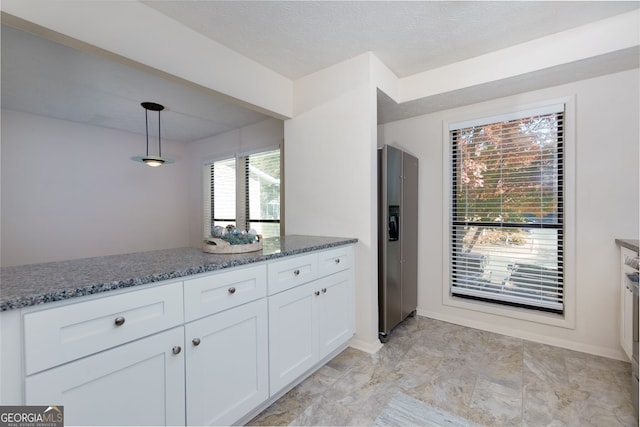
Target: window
[244, 191]
[507, 215]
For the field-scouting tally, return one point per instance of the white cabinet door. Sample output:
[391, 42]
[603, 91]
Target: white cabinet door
[307, 323]
[293, 334]
[626, 317]
[227, 364]
[627, 329]
[335, 311]
[141, 383]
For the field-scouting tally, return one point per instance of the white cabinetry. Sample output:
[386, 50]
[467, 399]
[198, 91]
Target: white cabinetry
[119, 372]
[210, 350]
[335, 311]
[309, 320]
[227, 373]
[627, 258]
[293, 334]
[140, 383]
[227, 365]
[292, 272]
[62, 334]
[214, 293]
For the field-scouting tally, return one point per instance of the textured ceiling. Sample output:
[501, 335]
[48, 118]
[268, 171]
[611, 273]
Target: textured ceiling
[294, 39]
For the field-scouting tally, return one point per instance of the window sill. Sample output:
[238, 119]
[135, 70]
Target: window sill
[529, 315]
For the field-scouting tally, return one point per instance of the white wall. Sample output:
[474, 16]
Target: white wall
[607, 202]
[70, 190]
[267, 134]
[331, 173]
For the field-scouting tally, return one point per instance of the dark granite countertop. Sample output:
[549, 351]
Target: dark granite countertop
[33, 284]
[628, 243]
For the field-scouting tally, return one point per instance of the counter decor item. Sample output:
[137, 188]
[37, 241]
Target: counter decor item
[231, 240]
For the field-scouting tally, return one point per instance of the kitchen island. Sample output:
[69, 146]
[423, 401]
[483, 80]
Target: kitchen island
[177, 336]
[33, 284]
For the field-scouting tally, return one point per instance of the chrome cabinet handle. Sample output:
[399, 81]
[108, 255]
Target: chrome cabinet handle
[296, 272]
[119, 321]
[176, 350]
[196, 341]
[317, 293]
[232, 290]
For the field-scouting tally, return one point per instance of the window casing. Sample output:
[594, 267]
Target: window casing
[244, 191]
[507, 209]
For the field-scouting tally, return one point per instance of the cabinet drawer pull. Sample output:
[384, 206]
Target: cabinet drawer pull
[196, 341]
[337, 260]
[317, 293]
[176, 350]
[296, 272]
[119, 321]
[324, 290]
[232, 290]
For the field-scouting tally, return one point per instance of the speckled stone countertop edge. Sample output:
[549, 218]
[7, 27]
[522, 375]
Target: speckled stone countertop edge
[50, 292]
[628, 243]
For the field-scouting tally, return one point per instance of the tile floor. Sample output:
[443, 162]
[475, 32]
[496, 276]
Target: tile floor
[487, 378]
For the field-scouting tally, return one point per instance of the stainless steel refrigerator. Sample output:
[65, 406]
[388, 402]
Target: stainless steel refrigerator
[397, 238]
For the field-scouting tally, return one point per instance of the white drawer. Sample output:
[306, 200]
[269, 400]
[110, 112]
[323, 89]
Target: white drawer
[221, 291]
[66, 333]
[291, 272]
[334, 260]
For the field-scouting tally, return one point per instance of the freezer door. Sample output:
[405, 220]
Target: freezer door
[409, 234]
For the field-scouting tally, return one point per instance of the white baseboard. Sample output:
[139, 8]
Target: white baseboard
[517, 333]
[367, 347]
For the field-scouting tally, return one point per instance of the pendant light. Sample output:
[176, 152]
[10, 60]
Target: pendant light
[153, 161]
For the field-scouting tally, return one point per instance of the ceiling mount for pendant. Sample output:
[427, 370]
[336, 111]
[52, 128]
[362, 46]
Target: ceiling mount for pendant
[150, 160]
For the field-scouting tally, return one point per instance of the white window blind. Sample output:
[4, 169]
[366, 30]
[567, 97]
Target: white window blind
[220, 194]
[244, 192]
[507, 221]
[263, 190]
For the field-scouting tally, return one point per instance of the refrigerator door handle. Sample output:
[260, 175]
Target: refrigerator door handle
[394, 223]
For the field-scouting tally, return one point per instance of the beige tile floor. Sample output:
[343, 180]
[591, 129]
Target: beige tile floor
[487, 378]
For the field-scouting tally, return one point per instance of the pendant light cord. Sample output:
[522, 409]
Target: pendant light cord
[159, 138]
[152, 160]
[146, 125]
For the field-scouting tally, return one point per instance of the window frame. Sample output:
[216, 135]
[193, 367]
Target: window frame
[242, 208]
[247, 190]
[478, 114]
[209, 201]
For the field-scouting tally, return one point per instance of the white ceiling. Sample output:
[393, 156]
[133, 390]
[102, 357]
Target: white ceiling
[46, 78]
[294, 39]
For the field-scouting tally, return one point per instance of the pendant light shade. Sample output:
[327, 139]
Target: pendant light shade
[150, 160]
